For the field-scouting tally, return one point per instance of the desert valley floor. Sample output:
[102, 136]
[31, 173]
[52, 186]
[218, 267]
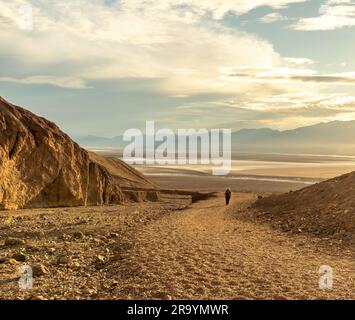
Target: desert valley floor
[170, 249]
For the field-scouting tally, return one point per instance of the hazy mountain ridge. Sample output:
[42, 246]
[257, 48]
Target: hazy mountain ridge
[331, 137]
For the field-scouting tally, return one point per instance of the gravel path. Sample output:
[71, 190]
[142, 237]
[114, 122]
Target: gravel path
[205, 252]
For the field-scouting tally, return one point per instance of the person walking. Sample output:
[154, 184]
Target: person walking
[227, 195]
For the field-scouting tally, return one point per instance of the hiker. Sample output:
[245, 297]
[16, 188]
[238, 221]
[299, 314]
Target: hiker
[227, 195]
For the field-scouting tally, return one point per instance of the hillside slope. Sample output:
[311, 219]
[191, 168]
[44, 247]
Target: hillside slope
[40, 166]
[325, 209]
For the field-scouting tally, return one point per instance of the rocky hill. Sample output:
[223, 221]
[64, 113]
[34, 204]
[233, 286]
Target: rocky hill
[40, 166]
[325, 209]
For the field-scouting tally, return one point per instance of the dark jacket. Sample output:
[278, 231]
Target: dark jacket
[228, 193]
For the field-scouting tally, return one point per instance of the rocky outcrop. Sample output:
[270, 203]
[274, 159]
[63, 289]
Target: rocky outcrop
[40, 166]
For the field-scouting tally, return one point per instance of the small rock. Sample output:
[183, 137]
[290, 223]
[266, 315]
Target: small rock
[51, 250]
[100, 259]
[36, 298]
[13, 261]
[19, 257]
[105, 286]
[75, 265]
[63, 260]
[2, 260]
[9, 220]
[31, 248]
[89, 291]
[39, 270]
[116, 257]
[114, 235]
[14, 242]
[64, 237]
[78, 235]
[162, 296]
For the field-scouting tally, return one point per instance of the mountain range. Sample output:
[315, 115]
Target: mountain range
[335, 137]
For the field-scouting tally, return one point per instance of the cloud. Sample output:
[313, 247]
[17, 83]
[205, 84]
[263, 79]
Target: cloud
[299, 61]
[329, 79]
[335, 14]
[63, 82]
[170, 41]
[173, 43]
[217, 8]
[180, 49]
[273, 17]
[290, 75]
[281, 111]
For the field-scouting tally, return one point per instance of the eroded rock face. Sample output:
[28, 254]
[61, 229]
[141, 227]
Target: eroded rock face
[40, 166]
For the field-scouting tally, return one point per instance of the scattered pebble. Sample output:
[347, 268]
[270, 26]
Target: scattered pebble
[62, 260]
[78, 235]
[14, 242]
[13, 261]
[19, 257]
[75, 265]
[100, 259]
[89, 291]
[36, 298]
[114, 235]
[39, 270]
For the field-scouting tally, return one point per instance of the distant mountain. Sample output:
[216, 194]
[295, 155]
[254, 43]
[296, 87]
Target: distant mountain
[334, 132]
[331, 137]
[336, 137]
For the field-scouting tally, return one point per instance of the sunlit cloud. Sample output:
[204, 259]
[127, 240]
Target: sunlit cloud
[282, 111]
[134, 39]
[292, 75]
[180, 50]
[335, 14]
[273, 17]
[299, 61]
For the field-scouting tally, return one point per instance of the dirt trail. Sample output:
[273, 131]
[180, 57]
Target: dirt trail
[205, 252]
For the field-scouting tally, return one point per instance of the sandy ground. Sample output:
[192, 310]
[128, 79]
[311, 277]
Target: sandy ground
[215, 183]
[75, 245]
[205, 252]
[168, 251]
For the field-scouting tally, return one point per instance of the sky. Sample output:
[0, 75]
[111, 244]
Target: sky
[100, 67]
